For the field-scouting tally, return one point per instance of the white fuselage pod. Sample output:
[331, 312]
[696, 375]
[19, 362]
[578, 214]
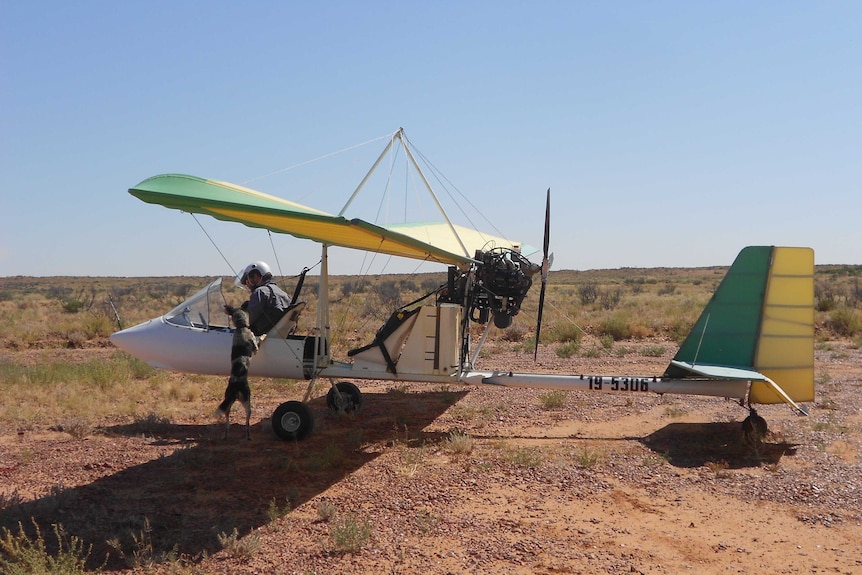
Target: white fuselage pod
[206, 351]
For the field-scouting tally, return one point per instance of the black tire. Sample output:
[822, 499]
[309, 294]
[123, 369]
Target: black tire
[292, 420]
[351, 397]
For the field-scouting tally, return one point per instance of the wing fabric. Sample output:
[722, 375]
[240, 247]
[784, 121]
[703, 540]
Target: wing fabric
[229, 202]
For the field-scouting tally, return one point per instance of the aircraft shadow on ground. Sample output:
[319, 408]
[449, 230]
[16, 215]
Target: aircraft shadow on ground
[178, 505]
[695, 445]
[698, 444]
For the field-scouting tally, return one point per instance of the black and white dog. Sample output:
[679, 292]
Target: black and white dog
[245, 345]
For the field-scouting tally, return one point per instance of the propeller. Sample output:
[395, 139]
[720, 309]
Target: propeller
[545, 267]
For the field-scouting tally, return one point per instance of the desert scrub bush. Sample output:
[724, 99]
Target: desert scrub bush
[22, 554]
[529, 345]
[568, 349]
[554, 399]
[142, 553]
[514, 333]
[528, 457]
[824, 297]
[588, 293]
[587, 458]
[593, 352]
[653, 351]
[616, 326]
[326, 510]
[611, 298]
[239, 547]
[413, 457]
[607, 342]
[350, 532]
[77, 427]
[275, 512]
[845, 321]
[677, 328]
[150, 424]
[458, 442]
[635, 284]
[564, 332]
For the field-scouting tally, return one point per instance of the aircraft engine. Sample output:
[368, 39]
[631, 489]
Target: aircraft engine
[502, 279]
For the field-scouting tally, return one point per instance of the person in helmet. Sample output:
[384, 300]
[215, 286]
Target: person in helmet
[268, 302]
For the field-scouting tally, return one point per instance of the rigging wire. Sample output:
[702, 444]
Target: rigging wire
[214, 244]
[275, 254]
[443, 183]
[234, 273]
[323, 157]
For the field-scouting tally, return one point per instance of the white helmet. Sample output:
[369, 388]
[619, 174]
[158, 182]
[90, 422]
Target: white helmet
[260, 267]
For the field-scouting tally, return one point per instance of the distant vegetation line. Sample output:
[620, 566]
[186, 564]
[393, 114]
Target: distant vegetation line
[586, 312]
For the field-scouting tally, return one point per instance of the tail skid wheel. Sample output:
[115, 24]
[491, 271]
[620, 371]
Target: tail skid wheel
[347, 399]
[292, 420]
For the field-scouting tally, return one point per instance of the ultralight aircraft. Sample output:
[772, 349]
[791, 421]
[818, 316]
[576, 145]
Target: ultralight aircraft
[754, 341]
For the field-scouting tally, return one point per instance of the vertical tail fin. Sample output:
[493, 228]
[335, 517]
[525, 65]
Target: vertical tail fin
[760, 320]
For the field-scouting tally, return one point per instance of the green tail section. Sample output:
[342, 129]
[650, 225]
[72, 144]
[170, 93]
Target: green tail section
[760, 324]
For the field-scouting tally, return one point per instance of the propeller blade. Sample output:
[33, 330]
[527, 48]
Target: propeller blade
[539, 323]
[545, 267]
[547, 239]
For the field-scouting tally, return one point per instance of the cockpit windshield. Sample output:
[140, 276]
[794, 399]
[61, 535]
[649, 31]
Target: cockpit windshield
[204, 310]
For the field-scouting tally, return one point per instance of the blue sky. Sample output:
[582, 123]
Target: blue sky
[670, 133]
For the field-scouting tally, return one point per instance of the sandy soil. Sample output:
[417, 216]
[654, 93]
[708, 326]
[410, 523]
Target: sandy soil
[606, 483]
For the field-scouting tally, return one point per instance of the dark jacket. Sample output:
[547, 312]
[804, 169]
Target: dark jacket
[267, 304]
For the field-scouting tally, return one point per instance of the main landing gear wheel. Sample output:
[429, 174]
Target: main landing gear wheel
[292, 420]
[348, 398]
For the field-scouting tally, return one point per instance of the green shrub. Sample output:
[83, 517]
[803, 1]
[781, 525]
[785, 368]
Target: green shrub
[587, 458]
[275, 512]
[616, 326]
[350, 532]
[568, 349]
[72, 306]
[24, 555]
[653, 351]
[565, 332]
[845, 321]
[607, 341]
[526, 457]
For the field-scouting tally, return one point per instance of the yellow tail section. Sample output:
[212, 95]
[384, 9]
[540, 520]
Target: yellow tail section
[785, 345]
